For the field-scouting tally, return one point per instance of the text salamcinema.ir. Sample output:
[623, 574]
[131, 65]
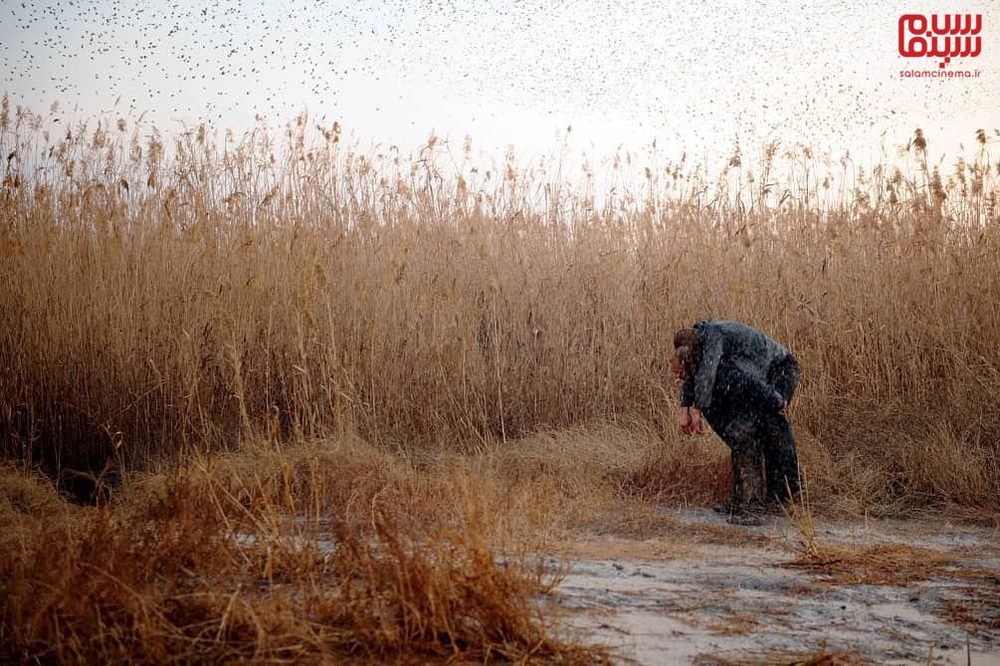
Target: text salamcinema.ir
[944, 36]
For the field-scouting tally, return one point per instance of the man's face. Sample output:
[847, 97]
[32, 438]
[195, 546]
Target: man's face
[680, 370]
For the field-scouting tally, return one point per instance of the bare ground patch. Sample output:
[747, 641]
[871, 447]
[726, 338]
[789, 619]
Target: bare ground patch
[871, 592]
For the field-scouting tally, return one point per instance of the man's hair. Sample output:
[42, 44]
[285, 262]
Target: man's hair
[684, 359]
[686, 337]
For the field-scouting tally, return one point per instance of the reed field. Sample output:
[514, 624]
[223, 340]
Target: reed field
[217, 348]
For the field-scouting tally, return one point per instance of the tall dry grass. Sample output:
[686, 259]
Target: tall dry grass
[306, 556]
[163, 294]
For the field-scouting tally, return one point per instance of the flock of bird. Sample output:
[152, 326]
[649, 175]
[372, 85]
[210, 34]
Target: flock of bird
[189, 57]
[738, 65]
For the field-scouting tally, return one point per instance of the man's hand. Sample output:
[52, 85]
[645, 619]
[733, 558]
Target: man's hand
[696, 427]
[778, 403]
[690, 421]
[684, 421]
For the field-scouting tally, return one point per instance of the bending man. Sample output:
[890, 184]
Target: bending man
[741, 381]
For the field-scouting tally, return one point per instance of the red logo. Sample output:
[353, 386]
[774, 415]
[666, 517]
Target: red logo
[944, 36]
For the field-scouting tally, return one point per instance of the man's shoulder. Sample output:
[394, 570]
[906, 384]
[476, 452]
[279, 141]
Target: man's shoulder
[725, 327]
[739, 333]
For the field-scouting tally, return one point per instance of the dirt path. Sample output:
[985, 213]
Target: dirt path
[706, 592]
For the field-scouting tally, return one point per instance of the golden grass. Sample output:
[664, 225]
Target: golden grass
[209, 337]
[977, 611]
[877, 564]
[269, 558]
[333, 548]
[164, 295]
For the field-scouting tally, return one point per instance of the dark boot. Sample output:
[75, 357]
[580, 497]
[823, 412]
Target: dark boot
[748, 486]
[748, 482]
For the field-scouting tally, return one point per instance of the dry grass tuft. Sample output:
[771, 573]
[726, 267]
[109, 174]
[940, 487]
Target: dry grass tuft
[27, 496]
[184, 568]
[859, 564]
[879, 564]
[977, 610]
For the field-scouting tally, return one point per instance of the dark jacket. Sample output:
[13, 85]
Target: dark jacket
[745, 356]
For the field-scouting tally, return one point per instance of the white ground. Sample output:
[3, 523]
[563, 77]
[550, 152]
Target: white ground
[737, 600]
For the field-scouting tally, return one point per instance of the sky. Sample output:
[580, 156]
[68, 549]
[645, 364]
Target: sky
[694, 77]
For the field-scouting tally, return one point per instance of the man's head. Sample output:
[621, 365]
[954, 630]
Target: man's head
[685, 359]
[682, 364]
[686, 337]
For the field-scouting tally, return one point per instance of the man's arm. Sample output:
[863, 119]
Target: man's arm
[686, 392]
[784, 375]
[689, 419]
[713, 348]
[758, 392]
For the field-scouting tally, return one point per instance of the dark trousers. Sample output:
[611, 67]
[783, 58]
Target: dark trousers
[757, 438]
[741, 431]
[781, 463]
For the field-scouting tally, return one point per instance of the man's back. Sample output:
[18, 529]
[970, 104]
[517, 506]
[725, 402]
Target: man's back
[749, 349]
[730, 342]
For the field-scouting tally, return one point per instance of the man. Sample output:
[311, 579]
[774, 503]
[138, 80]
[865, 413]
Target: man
[741, 381]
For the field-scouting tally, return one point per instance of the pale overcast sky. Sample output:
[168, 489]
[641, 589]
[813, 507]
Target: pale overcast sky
[693, 76]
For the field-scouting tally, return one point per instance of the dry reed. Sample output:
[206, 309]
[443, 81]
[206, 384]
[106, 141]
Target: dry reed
[164, 301]
[165, 295]
[305, 556]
